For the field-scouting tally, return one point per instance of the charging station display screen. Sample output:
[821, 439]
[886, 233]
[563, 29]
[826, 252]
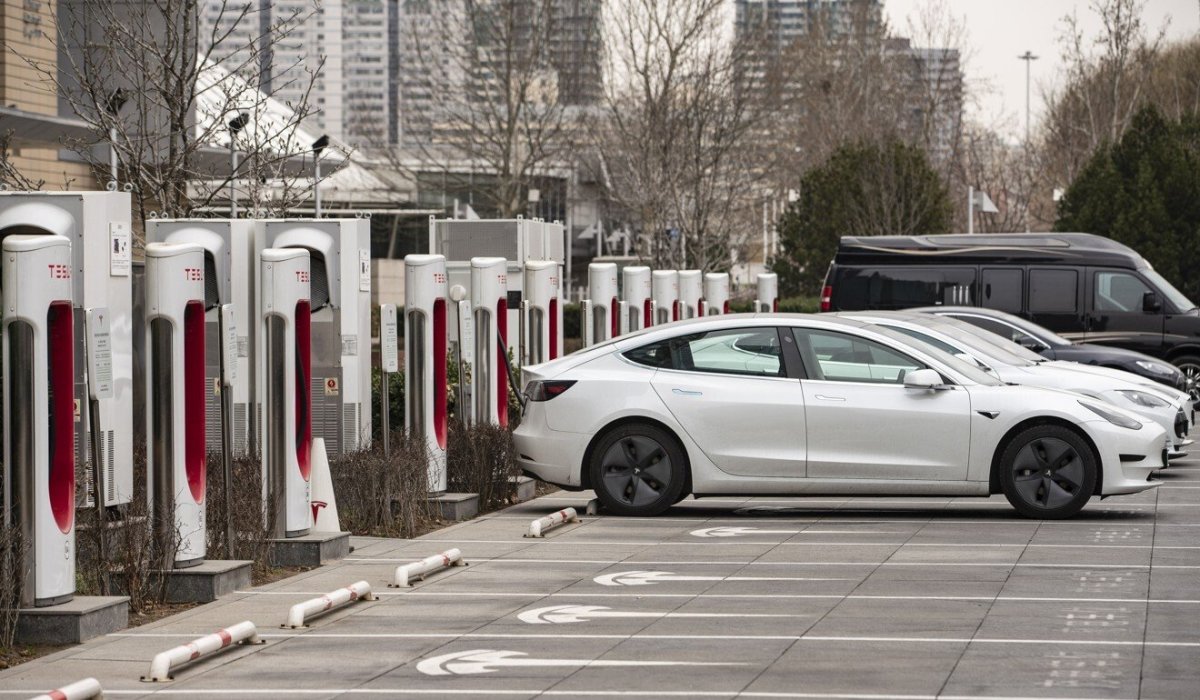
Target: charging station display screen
[60, 361]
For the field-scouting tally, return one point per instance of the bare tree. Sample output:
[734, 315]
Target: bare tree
[492, 92]
[10, 174]
[674, 142]
[157, 81]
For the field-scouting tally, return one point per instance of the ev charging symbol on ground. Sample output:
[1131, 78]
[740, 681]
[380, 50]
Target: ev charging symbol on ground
[464, 663]
[649, 578]
[567, 614]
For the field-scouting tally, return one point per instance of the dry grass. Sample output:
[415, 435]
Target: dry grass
[383, 497]
[13, 547]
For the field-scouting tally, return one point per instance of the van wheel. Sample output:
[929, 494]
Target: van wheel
[1190, 366]
[1048, 472]
[638, 469]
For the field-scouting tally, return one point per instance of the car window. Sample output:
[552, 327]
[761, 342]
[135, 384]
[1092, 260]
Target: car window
[742, 351]
[1002, 289]
[1118, 291]
[749, 351]
[1052, 291]
[839, 357]
[925, 337]
[1002, 329]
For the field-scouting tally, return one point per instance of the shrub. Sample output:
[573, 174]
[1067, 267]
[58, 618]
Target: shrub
[480, 459]
[384, 497]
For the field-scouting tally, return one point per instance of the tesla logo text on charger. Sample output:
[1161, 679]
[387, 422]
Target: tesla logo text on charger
[60, 272]
[193, 274]
[301, 275]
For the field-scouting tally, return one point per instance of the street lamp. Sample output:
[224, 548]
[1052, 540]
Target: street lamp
[236, 124]
[116, 100]
[1028, 58]
[317, 146]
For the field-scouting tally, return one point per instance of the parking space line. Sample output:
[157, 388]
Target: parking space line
[284, 692]
[626, 562]
[969, 545]
[769, 596]
[688, 637]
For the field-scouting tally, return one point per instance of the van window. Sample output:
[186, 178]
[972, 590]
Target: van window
[1052, 291]
[1118, 291]
[1001, 290]
[904, 287]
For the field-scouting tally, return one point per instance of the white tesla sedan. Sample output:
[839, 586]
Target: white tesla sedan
[807, 405]
[1013, 364]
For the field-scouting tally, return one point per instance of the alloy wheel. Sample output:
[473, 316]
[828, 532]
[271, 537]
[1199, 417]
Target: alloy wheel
[1048, 473]
[1191, 377]
[636, 470]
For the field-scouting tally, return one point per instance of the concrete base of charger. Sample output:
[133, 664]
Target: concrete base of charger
[523, 488]
[207, 581]
[313, 549]
[454, 506]
[74, 621]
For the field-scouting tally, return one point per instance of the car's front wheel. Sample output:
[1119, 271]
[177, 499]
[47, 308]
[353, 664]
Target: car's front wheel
[1048, 472]
[638, 469]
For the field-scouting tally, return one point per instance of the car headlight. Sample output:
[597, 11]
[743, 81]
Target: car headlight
[1156, 367]
[1112, 416]
[1141, 398]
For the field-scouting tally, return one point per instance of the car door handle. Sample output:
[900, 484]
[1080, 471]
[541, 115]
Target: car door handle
[823, 397]
[685, 392]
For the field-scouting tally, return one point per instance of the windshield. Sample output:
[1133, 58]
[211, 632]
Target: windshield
[986, 342]
[963, 368]
[1177, 298]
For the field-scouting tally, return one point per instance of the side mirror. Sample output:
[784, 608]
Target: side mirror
[1150, 303]
[923, 379]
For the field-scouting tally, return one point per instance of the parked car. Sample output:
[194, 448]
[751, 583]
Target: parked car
[807, 405]
[1053, 346]
[1081, 286]
[1013, 364]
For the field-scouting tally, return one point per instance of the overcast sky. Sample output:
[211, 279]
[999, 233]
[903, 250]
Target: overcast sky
[1000, 30]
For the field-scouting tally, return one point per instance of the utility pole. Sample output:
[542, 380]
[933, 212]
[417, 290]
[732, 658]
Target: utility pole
[1028, 58]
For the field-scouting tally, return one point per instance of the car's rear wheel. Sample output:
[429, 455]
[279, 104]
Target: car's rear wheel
[638, 469]
[1048, 472]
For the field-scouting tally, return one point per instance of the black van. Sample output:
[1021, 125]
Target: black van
[1081, 286]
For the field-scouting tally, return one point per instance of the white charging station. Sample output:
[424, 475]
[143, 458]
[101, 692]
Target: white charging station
[39, 423]
[284, 377]
[340, 259]
[691, 294]
[602, 309]
[98, 227]
[637, 304]
[425, 346]
[666, 296]
[176, 452]
[716, 293]
[768, 293]
[230, 267]
[541, 313]
[489, 375]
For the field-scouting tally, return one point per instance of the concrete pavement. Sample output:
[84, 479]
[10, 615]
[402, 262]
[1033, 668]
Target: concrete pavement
[764, 597]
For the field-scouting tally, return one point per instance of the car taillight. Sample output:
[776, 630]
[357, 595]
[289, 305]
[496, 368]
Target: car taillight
[827, 298]
[546, 390]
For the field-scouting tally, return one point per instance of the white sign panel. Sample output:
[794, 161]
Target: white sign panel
[466, 332]
[99, 351]
[389, 339]
[229, 347]
[364, 270]
[120, 252]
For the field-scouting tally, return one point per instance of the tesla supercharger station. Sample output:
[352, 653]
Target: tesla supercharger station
[489, 374]
[98, 226]
[666, 296]
[340, 259]
[768, 293]
[425, 346]
[602, 309]
[230, 266]
[637, 305]
[541, 313]
[716, 293]
[39, 420]
[284, 378]
[175, 397]
[691, 294]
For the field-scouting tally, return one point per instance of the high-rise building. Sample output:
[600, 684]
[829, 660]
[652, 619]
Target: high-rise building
[367, 47]
[784, 21]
